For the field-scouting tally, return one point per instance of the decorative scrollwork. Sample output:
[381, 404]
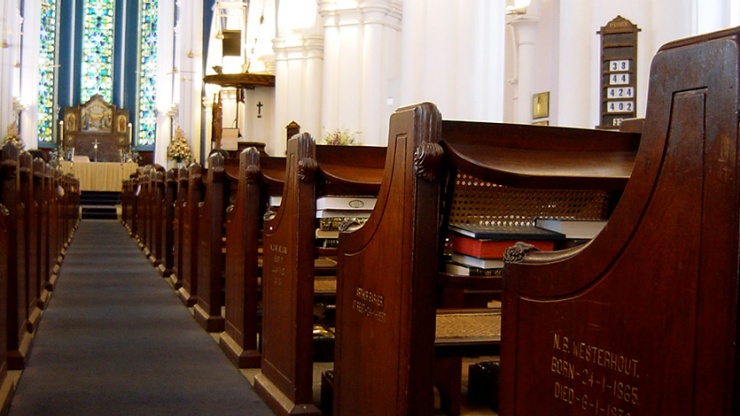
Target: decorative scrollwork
[269, 213]
[307, 167]
[518, 251]
[253, 174]
[428, 160]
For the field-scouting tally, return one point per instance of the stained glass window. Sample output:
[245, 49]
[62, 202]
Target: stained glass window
[46, 70]
[148, 20]
[97, 49]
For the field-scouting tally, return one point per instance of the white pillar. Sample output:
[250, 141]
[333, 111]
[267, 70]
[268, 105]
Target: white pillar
[191, 79]
[10, 29]
[575, 73]
[526, 30]
[298, 67]
[29, 87]
[167, 72]
[452, 55]
[361, 69]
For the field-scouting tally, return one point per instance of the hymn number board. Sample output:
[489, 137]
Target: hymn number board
[618, 72]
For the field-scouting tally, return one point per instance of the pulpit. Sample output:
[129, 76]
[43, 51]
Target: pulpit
[96, 129]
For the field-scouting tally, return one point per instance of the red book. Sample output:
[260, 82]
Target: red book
[492, 249]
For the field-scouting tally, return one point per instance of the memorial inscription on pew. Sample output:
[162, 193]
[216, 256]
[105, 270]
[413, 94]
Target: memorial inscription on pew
[594, 378]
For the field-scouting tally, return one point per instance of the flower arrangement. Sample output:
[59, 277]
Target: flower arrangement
[179, 149]
[340, 137]
[12, 136]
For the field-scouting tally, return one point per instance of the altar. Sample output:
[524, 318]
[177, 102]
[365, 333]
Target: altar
[96, 129]
[100, 176]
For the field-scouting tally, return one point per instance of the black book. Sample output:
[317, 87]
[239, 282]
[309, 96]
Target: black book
[506, 232]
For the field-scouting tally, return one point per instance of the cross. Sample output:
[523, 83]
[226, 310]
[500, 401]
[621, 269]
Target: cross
[259, 109]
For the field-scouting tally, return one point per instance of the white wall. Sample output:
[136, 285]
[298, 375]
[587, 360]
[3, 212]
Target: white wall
[568, 50]
[452, 54]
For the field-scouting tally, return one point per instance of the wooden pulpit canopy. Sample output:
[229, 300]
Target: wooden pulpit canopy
[643, 320]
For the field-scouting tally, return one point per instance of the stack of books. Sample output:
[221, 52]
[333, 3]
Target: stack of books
[334, 211]
[478, 250]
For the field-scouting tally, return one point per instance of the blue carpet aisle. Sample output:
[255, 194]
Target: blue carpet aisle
[116, 340]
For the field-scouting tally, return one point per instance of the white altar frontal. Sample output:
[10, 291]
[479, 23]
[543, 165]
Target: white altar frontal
[100, 176]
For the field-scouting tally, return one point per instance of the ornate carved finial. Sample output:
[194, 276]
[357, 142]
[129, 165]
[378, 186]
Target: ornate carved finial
[517, 252]
[253, 174]
[427, 160]
[307, 169]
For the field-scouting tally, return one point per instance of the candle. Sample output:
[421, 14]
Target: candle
[130, 136]
[61, 132]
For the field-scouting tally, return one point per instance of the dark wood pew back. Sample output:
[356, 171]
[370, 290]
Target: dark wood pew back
[285, 380]
[188, 276]
[257, 177]
[385, 324]
[211, 232]
[169, 223]
[643, 320]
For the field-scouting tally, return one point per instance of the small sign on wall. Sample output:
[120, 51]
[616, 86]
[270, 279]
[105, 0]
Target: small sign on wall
[541, 105]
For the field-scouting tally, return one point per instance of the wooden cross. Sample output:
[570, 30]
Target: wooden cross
[259, 109]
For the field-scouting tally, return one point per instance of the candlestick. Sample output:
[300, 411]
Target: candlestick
[130, 136]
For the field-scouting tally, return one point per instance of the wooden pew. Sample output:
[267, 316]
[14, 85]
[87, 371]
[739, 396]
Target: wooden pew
[181, 178]
[386, 324]
[644, 319]
[51, 259]
[211, 213]
[188, 275]
[285, 379]
[257, 178]
[7, 386]
[29, 231]
[16, 325]
[41, 202]
[167, 266]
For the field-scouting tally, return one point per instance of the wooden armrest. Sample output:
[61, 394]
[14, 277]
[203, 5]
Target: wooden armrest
[541, 157]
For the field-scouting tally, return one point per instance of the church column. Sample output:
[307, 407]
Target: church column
[8, 56]
[453, 56]
[190, 80]
[298, 67]
[361, 66]
[167, 103]
[525, 26]
[28, 84]
[576, 74]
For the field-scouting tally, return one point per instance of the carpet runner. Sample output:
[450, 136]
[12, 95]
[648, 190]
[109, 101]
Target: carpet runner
[116, 340]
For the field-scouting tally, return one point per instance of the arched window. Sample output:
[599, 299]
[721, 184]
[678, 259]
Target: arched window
[98, 28]
[148, 22]
[98, 61]
[47, 66]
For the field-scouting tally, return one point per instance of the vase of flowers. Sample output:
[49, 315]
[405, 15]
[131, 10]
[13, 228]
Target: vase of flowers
[13, 136]
[179, 149]
[340, 137]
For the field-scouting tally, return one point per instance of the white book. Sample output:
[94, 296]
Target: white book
[348, 213]
[345, 202]
[573, 229]
[477, 262]
[275, 200]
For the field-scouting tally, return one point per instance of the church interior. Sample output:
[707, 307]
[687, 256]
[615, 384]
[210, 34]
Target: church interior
[376, 207]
